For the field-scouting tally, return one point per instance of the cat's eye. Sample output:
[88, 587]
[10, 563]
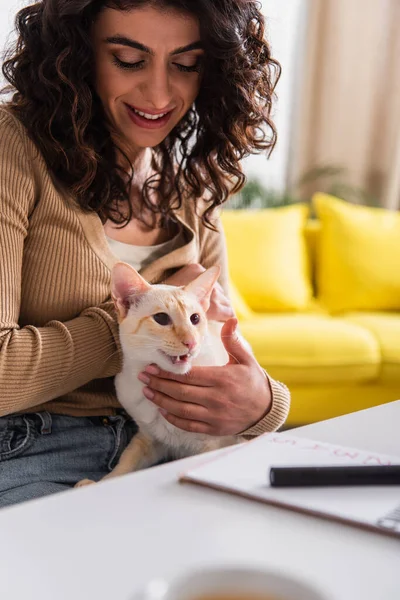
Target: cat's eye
[162, 319]
[195, 319]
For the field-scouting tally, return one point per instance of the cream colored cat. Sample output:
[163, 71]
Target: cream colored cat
[165, 325]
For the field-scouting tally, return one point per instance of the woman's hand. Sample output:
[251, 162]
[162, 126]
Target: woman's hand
[220, 307]
[213, 400]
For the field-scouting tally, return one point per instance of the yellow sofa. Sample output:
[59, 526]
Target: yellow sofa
[319, 301]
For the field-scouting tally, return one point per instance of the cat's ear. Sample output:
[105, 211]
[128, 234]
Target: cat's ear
[126, 283]
[203, 285]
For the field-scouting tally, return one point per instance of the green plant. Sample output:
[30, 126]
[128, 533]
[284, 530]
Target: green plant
[330, 178]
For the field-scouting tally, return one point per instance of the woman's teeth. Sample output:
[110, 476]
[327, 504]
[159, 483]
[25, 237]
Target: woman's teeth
[150, 117]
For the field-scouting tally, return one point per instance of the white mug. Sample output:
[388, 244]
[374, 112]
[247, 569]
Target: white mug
[230, 580]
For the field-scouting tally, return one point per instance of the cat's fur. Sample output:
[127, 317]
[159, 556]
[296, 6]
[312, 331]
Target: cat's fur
[144, 341]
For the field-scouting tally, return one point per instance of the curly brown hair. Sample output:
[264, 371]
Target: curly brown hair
[50, 71]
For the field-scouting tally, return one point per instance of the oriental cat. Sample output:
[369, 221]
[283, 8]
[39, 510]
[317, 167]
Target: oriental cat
[167, 326]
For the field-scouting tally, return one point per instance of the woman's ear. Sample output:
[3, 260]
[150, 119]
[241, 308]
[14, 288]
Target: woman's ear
[126, 284]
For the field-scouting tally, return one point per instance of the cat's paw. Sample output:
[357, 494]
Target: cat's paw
[83, 482]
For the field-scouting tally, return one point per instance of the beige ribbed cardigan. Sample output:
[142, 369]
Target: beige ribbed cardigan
[59, 347]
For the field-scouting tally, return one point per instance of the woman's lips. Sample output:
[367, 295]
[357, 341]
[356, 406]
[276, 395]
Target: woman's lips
[147, 123]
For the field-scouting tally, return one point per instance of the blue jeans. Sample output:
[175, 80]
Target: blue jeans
[42, 454]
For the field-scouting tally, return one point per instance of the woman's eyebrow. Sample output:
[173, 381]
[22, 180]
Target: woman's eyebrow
[124, 41]
[194, 46]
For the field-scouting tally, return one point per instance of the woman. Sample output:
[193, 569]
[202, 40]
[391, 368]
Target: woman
[124, 134]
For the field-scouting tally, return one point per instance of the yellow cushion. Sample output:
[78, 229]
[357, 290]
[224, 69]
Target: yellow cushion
[241, 309]
[386, 329]
[319, 402]
[268, 257]
[359, 256]
[313, 349]
[312, 232]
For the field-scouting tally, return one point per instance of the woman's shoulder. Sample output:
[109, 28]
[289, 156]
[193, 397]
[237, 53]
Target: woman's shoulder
[9, 122]
[15, 142]
[14, 137]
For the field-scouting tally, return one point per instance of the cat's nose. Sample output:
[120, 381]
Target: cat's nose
[190, 344]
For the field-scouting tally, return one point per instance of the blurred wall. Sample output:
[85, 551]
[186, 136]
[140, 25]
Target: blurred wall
[348, 106]
[8, 8]
[286, 25]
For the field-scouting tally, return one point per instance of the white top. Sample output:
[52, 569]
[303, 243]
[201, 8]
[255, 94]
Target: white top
[141, 256]
[106, 541]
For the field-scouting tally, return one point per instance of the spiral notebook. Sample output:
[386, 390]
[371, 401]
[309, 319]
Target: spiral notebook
[244, 470]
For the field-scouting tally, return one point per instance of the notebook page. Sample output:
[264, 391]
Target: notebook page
[245, 471]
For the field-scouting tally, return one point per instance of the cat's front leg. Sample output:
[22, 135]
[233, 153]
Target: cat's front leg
[140, 453]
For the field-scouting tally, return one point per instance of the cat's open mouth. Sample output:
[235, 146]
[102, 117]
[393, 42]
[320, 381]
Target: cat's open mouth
[182, 359]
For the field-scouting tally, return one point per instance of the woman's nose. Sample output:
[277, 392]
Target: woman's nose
[158, 91]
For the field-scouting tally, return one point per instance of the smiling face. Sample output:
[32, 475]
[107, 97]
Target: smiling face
[147, 71]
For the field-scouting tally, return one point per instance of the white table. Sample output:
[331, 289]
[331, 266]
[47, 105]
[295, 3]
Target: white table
[104, 542]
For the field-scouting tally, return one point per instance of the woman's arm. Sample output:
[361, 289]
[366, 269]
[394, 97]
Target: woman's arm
[38, 364]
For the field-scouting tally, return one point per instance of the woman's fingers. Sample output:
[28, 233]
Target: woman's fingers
[182, 392]
[213, 400]
[181, 409]
[197, 376]
[191, 426]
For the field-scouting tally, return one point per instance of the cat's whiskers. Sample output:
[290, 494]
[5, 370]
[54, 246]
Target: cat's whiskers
[95, 361]
[110, 345]
[150, 350]
[137, 335]
[134, 355]
[134, 342]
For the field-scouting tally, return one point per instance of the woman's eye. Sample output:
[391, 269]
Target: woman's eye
[162, 319]
[195, 319]
[128, 65]
[134, 66]
[188, 69]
